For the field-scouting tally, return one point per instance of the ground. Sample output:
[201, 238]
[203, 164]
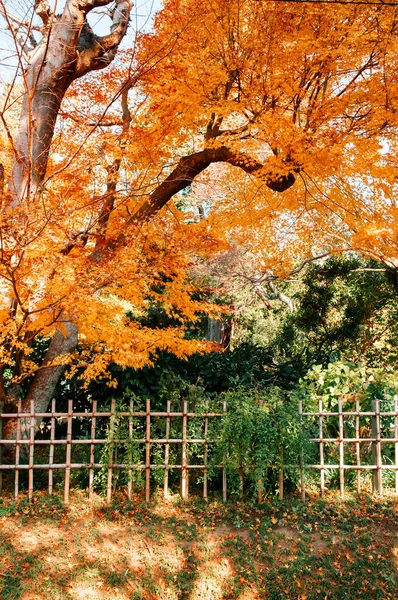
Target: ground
[321, 550]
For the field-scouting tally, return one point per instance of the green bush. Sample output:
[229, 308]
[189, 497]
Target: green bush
[261, 433]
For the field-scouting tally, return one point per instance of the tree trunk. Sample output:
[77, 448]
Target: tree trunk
[68, 50]
[43, 386]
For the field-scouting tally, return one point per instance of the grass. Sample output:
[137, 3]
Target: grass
[320, 550]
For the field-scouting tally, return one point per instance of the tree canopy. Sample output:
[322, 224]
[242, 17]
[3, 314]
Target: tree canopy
[267, 126]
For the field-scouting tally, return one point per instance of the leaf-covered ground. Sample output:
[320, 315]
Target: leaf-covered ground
[314, 551]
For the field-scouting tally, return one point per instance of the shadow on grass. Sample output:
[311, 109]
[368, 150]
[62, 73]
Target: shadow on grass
[206, 551]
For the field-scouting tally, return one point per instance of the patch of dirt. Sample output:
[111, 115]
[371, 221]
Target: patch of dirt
[92, 557]
[319, 545]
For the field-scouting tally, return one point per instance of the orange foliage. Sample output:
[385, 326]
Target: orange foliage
[305, 90]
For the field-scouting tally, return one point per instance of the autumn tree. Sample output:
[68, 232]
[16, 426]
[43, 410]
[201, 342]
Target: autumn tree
[279, 117]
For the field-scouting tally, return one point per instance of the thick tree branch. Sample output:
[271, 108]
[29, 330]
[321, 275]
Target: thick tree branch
[191, 166]
[96, 52]
[182, 176]
[282, 297]
[262, 294]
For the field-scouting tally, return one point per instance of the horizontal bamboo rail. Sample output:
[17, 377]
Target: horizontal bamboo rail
[376, 440]
[139, 446]
[60, 415]
[87, 442]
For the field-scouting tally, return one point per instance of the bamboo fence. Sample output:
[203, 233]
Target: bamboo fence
[367, 440]
[28, 421]
[367, 434]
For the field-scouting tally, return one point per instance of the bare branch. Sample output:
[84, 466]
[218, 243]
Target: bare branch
[23, 41]
[69, 50]
[43, 10]
[368, 270]
[282, 297]
[25, 24]
[262, 294]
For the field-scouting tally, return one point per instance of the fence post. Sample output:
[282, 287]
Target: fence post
[184, 454]
[110, 452]
[68, 451]
[376, 448]
[396, 441]
[224, 472]
[1, 445]
[341, 446]
[31, 449]
[301, 459]
[92, 451]
[374, 453]
[357, 446]
[148, 450]
[205, 457]
[51, 449]
[321, 448]
[130, 453]
[260, 482]
[17, 450]
[167, 453]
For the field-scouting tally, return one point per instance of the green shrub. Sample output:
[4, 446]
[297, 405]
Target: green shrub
[261, 433]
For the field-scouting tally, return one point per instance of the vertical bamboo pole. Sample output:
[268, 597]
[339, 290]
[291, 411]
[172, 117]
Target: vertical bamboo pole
[205, 457]
[302, 479]
[374, 451]
[167, 453]
[17, 450]
[110, 452]
[357, 446]
[396, 442]
[341, 446]
[148, 451]
[68, 451]
[1, 445]
[321, 448]
[260, 484]
[224, 472]
[31, 449]
[280, 475]
[280, 470]
[92, 451]
[184, 453]
[259, 490]
[376, 448]
[130, 452]
[51, 449]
